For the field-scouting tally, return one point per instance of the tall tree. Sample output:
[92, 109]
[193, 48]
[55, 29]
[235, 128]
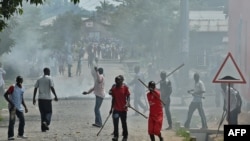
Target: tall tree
[147, 26]
[10, 7]
[65, 29]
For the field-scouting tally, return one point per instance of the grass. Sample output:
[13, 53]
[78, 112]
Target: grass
[183, 133]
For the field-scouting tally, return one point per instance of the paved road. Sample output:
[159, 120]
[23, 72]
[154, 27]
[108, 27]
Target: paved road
[72, 121]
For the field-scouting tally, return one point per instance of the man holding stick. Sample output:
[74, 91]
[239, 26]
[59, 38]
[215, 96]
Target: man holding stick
[166, 90]
[119, 107]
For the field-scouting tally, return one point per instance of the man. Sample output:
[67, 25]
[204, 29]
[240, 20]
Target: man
[166, 90]
[119, 107]
[45, 85]
[2, 84]
[98, 90]
[138, 89]
[70, 64]
[155, 112]
[14, 96]
[235, 103]
[197, 93]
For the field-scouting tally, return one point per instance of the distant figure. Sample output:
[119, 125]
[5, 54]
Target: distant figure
[166, 91]
[14, 96]
[99, 92]
[79, 66]
[197, 93]
[151, 71]
[119, 107]
[235, 103]
[2, 83]
[61, 61]
[155, 119]
[91, 57]
[45, 85]
[138, 90]
[70, 64]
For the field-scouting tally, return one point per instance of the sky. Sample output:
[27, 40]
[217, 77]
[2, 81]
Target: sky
[91, 4]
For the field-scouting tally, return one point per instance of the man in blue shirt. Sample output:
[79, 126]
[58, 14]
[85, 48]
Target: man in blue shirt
[14, 96]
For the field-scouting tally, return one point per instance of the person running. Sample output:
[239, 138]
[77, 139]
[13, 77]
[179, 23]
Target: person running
[14, 96]
[119, 107]
[45, 85]
[138, 90]
[197, 93]
[155, 118]
[98, 90]
[166, 90]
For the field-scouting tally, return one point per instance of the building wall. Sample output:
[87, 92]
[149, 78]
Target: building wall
[239, 35]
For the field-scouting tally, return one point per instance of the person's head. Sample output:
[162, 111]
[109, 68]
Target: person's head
[100, 70]
[19, 79]
[196, 77]
[118, 80]
[137, 69]
[223, 86]
[151, 85]
[163, 75]
[122, 77]
[46, 71]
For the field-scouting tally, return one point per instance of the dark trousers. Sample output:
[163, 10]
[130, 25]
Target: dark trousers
[123, 116]
[45, 108]
[192, 107]
[69, 70]
[233, 117]
[12, 120]
[167, 112]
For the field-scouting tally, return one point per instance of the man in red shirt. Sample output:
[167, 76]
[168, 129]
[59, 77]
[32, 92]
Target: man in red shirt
[155, 112]
[119, 107]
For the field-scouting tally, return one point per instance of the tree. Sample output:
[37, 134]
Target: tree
[104, 11]
[147, 26]
[6, 42]
[10, 7]
[65, 29]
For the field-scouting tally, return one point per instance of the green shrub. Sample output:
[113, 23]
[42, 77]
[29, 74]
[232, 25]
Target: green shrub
[183, 133]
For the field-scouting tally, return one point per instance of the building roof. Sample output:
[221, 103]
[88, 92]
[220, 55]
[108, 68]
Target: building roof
[208, 21]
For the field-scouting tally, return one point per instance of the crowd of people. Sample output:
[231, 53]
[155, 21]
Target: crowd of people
[157, 101]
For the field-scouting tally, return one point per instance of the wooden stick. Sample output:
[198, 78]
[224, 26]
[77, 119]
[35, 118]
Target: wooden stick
[138, 112]
[152, 91]
[103, 124]
[172, 72]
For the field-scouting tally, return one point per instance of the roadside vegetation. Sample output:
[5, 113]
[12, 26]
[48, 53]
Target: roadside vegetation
[183, 133]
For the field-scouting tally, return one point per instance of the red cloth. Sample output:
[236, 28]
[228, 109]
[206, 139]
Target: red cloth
[120, 95]
[155, 113]
[10, 89]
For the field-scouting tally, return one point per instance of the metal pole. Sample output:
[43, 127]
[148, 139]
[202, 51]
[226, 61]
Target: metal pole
[228, 109]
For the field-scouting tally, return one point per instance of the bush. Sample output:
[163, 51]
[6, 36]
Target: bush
[183, 133]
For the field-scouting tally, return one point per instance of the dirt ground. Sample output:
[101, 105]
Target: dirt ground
[73, 114]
